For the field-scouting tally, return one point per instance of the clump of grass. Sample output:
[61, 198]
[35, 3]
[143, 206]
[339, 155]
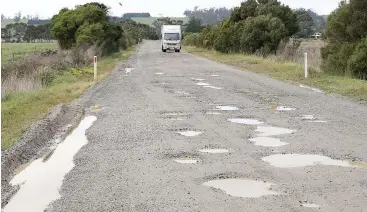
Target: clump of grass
[21, 109]
[289, 71]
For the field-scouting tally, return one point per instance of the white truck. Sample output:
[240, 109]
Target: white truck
[171, 37]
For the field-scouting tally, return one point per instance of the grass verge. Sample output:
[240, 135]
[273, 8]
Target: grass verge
[20, 109]
[8, 50]
[288, 72]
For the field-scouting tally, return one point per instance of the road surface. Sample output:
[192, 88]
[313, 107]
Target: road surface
[136, 159]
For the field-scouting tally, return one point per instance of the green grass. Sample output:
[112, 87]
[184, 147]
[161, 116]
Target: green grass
[150, 20]
[22, 49]
[19, 110]
[289, 72]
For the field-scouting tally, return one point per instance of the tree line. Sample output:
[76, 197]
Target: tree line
[308, 21]
[22, 32]
[260, 26]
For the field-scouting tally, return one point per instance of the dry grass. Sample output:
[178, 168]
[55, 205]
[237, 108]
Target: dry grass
[21, 109]
[311, 47]
[289, 72]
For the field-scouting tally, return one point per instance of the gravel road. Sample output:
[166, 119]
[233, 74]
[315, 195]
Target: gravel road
[137, 161]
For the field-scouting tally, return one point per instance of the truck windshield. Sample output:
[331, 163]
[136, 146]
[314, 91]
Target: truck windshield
[171, 36]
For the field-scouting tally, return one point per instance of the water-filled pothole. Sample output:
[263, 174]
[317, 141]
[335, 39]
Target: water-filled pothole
[214, 151]
[268, 142]
[186, 160]
[159, 73]
[190, 133]
[226, 108]
[298, 160]
[40, 181]
[202, 84]
[245, 121]
[213, 113]
[214, 75]
[128, 70]
[182, 92]
[310, 205]
[243, 187]
[213, 87]
[317, 121]
[272, 131]
[283, 108]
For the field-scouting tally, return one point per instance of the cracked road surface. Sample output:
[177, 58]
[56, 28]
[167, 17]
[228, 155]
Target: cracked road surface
[129, 163]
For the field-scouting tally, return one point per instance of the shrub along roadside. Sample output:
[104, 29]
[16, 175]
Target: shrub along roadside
[289, 72]
[20, 109]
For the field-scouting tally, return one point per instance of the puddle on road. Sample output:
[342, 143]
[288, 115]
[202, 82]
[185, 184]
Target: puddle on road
[297, 160]
[177, 119]
[182, 92]
[309, 205]
[268, 142]
[213, 113]
[198, 79]
[40, 182]
[317, 121]
[272, 131]
[307, 117]
[186, 160]
[202, 84]
[128, 70]
[246, 121]
[213, 87]
[190, 133]
[242, 187]
[214, 75]
[159, 73]
[226, 108]
[214, 151]
[283, 108]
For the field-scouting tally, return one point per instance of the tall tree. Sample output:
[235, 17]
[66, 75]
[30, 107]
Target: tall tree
[305, 23]
[194, 25]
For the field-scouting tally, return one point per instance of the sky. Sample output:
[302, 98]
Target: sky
[173, 8]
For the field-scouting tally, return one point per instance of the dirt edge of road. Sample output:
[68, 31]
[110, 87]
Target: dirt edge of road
[35, 143]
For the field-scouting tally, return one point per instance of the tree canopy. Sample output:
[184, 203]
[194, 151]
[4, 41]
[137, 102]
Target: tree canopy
[346, 32]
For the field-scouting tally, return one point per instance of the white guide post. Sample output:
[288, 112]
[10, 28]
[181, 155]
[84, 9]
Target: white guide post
[306, 66]
[95, 67]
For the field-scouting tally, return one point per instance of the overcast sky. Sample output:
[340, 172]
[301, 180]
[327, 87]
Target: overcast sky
[47, 8]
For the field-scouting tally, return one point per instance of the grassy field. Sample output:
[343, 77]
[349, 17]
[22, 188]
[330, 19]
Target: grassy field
[150, 20]
[22, 49]
[289, 72]
[20, 110]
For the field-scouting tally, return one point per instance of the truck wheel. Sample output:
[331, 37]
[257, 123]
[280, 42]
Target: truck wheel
[164, 50]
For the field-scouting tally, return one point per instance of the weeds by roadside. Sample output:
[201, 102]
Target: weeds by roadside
[21, 109]
[288, 71]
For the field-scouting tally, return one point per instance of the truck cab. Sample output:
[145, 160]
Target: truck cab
[171, 38]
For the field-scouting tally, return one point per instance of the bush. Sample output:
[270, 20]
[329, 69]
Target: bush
[357, 63]
[336, 58]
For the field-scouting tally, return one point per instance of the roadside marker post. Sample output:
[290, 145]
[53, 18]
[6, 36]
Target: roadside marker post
[306, 66]
[95, 67]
